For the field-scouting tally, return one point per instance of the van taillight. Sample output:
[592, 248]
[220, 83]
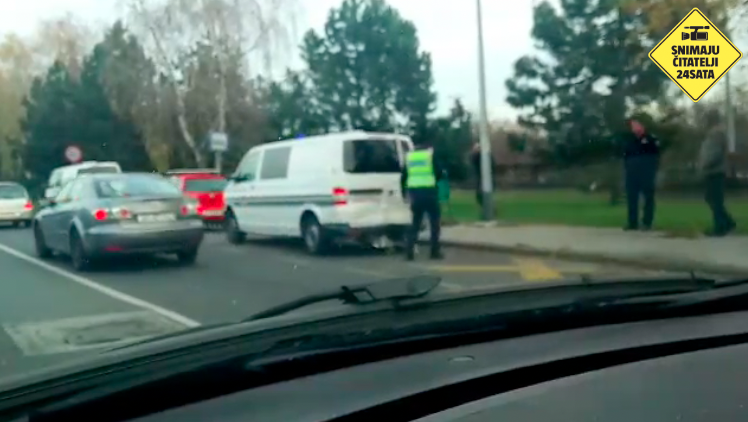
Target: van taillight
[340, 196]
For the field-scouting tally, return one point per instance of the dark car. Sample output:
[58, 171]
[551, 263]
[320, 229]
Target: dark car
[101, 215]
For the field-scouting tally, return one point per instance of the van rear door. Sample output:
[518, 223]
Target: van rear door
[372, 168]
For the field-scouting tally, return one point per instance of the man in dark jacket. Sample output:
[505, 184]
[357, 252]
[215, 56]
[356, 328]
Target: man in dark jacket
[475, 162]
[418, 182]
[641, 156]
[712, 164]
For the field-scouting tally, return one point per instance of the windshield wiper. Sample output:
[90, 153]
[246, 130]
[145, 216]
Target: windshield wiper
[380, 291]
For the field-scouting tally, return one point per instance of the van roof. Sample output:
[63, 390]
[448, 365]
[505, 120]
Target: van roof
[334, 137]
[86, 164]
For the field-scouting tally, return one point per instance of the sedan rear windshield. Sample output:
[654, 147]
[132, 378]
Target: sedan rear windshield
[371, 156]
[99, 169]
[205, 185]
[134, 187]
[12, 192]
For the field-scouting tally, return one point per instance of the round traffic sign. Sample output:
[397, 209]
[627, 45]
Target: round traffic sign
[73, 154]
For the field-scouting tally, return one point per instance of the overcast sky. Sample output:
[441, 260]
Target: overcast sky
[445, 28]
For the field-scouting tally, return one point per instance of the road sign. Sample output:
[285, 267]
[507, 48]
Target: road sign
[73, 154]
[219, 142]
[695, 54]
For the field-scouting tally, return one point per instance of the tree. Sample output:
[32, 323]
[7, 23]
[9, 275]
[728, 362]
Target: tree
[290, 107]
[16, 61]
[662, 15]
[63, 110]
[133, 88]
[452, 136]
[588, 43]
[174, 28]
[367, 70]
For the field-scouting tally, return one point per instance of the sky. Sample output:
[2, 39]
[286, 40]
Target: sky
[446, 29]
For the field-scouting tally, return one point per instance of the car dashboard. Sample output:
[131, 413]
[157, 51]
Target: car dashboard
[607, 373]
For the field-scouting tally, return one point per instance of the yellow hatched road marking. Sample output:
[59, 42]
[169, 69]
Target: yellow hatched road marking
[535, 269]
[528, 268]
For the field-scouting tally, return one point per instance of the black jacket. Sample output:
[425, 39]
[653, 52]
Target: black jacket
[438, 174]
[639, 146]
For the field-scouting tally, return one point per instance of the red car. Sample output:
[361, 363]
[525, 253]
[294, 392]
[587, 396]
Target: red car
[207, 187]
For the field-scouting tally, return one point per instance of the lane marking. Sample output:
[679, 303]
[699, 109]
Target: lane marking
[107, 291]
[535, 270]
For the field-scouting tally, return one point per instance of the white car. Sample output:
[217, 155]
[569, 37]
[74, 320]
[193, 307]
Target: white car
[62, 175]
[15, 205]
[324, 189]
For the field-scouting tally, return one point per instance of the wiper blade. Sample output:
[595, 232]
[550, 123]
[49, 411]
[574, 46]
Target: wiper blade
[386, 290]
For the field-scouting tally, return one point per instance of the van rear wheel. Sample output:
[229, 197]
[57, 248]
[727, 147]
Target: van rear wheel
[315, 241]
[234, 235]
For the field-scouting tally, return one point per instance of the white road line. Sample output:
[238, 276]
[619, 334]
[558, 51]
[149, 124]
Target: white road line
[114, 294]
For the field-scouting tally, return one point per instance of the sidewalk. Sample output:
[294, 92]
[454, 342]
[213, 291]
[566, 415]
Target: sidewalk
[646, 249]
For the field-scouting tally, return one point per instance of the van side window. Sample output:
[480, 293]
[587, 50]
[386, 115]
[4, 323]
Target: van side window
[248, 167]
[275, 163]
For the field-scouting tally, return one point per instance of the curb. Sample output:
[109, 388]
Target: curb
[651, 264]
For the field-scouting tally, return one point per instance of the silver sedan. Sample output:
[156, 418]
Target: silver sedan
[101, 215]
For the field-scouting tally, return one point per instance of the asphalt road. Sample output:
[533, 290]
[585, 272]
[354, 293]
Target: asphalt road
[49, 313]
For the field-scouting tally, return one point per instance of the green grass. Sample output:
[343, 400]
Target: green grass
[679, 215]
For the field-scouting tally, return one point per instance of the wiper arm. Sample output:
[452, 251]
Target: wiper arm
[380, 291]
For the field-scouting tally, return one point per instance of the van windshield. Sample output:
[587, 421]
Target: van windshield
[371, 156]
[99, 169]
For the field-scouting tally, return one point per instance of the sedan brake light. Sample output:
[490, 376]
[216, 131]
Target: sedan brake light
[100, 214]
[29, 206]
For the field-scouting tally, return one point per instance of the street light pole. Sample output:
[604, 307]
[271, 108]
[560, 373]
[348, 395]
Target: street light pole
[485, 144]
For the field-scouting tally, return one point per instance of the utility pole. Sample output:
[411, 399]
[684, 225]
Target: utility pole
[485, 144]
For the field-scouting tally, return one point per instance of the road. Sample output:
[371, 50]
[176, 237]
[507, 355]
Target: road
[50, 313]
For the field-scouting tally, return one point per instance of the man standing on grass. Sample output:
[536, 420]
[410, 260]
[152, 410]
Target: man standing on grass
[641, 158]
[713, 167]
[475, 162]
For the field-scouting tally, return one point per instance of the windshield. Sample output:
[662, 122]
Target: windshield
[266, 157]
[134, 187]
[12, 192]
[204, 185]
[371, 156]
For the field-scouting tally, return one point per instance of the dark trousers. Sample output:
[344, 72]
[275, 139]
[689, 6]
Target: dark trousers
[714, 194]
[640, 182]
[424, 204]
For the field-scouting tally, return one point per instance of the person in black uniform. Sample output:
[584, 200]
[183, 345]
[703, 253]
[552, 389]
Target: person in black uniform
[641, 156]
[418, 182]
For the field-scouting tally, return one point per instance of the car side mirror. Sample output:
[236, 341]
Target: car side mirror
[51, 193]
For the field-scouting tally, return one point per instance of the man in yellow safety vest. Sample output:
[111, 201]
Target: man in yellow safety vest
[419, 184]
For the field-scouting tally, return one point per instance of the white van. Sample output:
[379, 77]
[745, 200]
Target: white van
[61, 175]
[324, 189]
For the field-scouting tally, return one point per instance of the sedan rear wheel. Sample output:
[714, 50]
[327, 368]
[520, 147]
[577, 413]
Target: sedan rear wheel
[42, 251]
[78, 254]
[187, 257]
